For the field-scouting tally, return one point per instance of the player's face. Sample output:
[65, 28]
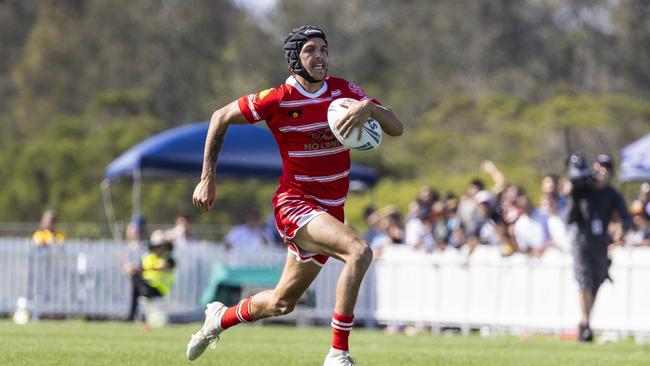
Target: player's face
[313, 57]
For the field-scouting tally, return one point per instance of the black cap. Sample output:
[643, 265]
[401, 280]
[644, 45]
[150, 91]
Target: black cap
[605, 160]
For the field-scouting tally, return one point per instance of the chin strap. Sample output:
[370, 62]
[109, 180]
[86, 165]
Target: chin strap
[307, 76]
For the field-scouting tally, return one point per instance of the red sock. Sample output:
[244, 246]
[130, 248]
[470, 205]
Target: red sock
[341, 327]
[240, 313]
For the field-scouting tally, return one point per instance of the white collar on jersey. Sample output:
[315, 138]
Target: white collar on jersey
[293, 82]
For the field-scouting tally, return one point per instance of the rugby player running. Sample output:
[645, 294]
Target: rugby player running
[309, 201]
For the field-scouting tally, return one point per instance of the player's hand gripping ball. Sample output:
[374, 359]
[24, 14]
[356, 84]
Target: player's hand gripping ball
[370, 131]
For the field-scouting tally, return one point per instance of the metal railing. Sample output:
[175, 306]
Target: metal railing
[438, 289]
[86, 277]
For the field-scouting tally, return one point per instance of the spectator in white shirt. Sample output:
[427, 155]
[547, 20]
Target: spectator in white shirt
[419, 232]
[529, 233]
[249, 235]
[557, 229]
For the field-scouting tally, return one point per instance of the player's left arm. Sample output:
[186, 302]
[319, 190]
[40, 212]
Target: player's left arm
[359, 112]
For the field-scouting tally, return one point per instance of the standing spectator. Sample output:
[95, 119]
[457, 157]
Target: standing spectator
[529, 233]
[250, 234]
[468, 207]
[425, 198]
[551, 187]
[455, 236]
[500, 181]
[640, 235]
[388, 222]
[42, 280]
[439, 227]
[591, 207]
[550, 195]
[372, 230]
[559, 236]
[644, 196]
[181, 234]
[136, 243]
[485, 232]
[419, 232]
[47, 235]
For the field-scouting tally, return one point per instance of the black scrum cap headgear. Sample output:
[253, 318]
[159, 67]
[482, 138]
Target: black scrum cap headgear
[293, 45]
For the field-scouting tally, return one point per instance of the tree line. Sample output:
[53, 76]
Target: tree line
[82, 81]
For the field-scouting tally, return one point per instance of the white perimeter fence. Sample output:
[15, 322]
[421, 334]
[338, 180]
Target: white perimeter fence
[440, 289]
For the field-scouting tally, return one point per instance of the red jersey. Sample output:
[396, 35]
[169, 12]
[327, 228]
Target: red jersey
[315, 164]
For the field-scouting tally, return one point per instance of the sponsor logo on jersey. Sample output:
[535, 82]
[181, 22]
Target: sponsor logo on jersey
[263, 94]
[356, 90]
[324, 134]
[323, 139]
[322, 145]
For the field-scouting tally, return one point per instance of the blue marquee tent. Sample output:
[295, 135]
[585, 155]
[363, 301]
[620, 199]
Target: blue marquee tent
[635, 161]
[248, 151]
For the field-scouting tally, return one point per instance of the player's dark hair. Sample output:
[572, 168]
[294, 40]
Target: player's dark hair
[293, 45]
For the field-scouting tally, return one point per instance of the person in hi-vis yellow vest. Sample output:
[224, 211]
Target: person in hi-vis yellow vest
[155, 275]
[47, 235]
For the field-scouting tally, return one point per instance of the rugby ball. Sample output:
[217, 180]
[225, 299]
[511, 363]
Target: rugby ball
[370, 130]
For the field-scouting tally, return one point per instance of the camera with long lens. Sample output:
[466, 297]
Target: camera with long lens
[579, 174]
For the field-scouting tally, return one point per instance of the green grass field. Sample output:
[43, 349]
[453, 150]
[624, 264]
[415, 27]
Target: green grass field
[104, 343]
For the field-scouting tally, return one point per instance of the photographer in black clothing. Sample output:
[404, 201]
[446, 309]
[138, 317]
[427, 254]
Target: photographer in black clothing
[591, 207]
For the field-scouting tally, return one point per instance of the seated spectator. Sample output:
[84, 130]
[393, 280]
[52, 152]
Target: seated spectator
[180, 235]
[47, 235]
[640, 235]
[154, 275]
[251, 234]
[529, 233]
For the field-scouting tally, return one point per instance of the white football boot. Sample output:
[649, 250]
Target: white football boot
[336, 357]
[209, 332]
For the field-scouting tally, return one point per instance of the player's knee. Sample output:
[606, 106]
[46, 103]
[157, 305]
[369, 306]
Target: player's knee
[282, 306]
[360, 253]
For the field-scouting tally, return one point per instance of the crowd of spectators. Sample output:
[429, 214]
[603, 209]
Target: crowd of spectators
[503, 216]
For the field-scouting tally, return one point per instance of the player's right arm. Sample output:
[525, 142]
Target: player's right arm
[205, 190]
